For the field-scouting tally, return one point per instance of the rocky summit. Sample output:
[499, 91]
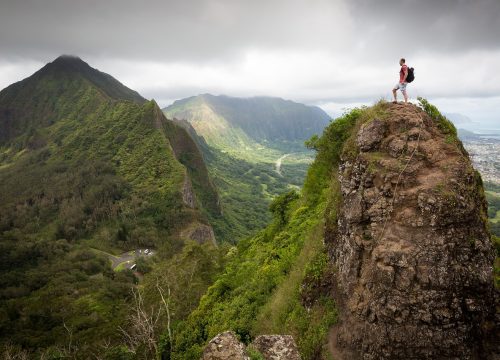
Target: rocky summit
[411, 248]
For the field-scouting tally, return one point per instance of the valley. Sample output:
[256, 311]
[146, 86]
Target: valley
[249, 180]
[243, 140]
[485, 155]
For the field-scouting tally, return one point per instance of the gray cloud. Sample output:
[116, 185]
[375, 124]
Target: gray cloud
[158, 29]
[316, 51]
[211, 30]
[430, 25]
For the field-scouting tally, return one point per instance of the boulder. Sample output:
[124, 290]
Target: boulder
[225, 346]
[371, 134]
[277, 347]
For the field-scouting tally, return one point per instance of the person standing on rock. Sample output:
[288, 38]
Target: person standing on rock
[403, 73]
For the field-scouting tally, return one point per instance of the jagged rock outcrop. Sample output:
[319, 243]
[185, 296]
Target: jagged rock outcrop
[271, 347]
[225, 346]
[411, 247]
[277, 347]
[201, 233]
[188, 196]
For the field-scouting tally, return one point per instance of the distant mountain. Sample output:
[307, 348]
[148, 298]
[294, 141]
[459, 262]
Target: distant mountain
[459, 119]
[87, 168]
[228, 122]
[468, 135]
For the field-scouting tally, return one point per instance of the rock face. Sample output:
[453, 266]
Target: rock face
[272, 347]
[411, 247]
[225, 346]
[201, 233]
[277, 347]
[188, 196]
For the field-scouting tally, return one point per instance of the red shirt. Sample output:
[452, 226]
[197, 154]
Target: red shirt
[404, 69]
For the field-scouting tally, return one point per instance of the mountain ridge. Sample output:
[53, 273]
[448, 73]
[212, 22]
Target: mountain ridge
[254, 148]
[249, 122]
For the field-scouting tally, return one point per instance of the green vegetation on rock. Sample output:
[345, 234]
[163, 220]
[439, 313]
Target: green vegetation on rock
[272, 282]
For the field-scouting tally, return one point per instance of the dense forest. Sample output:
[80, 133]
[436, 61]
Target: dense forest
[87, 172]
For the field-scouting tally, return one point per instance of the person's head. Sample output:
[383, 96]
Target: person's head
[402, 61]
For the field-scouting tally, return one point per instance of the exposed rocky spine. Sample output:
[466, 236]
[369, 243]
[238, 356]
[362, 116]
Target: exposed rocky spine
[188, 196]
[226, 346]
[411, 247]
[276, 347]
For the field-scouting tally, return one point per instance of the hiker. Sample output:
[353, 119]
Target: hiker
[401, 85]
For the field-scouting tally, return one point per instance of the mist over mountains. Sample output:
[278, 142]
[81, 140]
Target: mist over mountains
[262, 119]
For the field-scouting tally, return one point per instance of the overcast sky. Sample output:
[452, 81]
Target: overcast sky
[331, 53]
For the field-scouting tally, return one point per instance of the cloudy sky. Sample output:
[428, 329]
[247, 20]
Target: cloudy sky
[332, 53]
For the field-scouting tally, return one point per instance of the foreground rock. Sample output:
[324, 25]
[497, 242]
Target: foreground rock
[411, 246]
[226, 346]
[277, 347]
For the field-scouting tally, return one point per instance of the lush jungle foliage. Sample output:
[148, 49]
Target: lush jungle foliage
[83, 173]
[272, 281]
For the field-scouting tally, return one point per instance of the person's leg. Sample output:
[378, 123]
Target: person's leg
[405, 96]
[395, 94]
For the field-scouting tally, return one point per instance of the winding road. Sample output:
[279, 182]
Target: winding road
[278, 163]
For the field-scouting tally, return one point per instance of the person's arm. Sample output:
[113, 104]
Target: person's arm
[405, 73]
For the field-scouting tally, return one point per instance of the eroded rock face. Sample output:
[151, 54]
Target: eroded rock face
[371, 134]
[277, 347]
[188, 196]
[411, 248]
[225, 346]
[272, 347]
[199, 232]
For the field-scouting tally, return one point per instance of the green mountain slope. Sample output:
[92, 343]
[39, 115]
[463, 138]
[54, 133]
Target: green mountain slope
[87, 166]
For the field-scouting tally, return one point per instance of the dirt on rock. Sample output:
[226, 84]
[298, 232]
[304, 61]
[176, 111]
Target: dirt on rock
[225, 346]
[411, 249]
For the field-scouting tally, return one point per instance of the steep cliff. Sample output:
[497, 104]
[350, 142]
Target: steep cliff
[410, 245]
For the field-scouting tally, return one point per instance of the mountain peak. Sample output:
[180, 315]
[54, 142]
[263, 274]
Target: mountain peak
[73, 65]
[67, 63]
[67, 57]
[64, 78]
